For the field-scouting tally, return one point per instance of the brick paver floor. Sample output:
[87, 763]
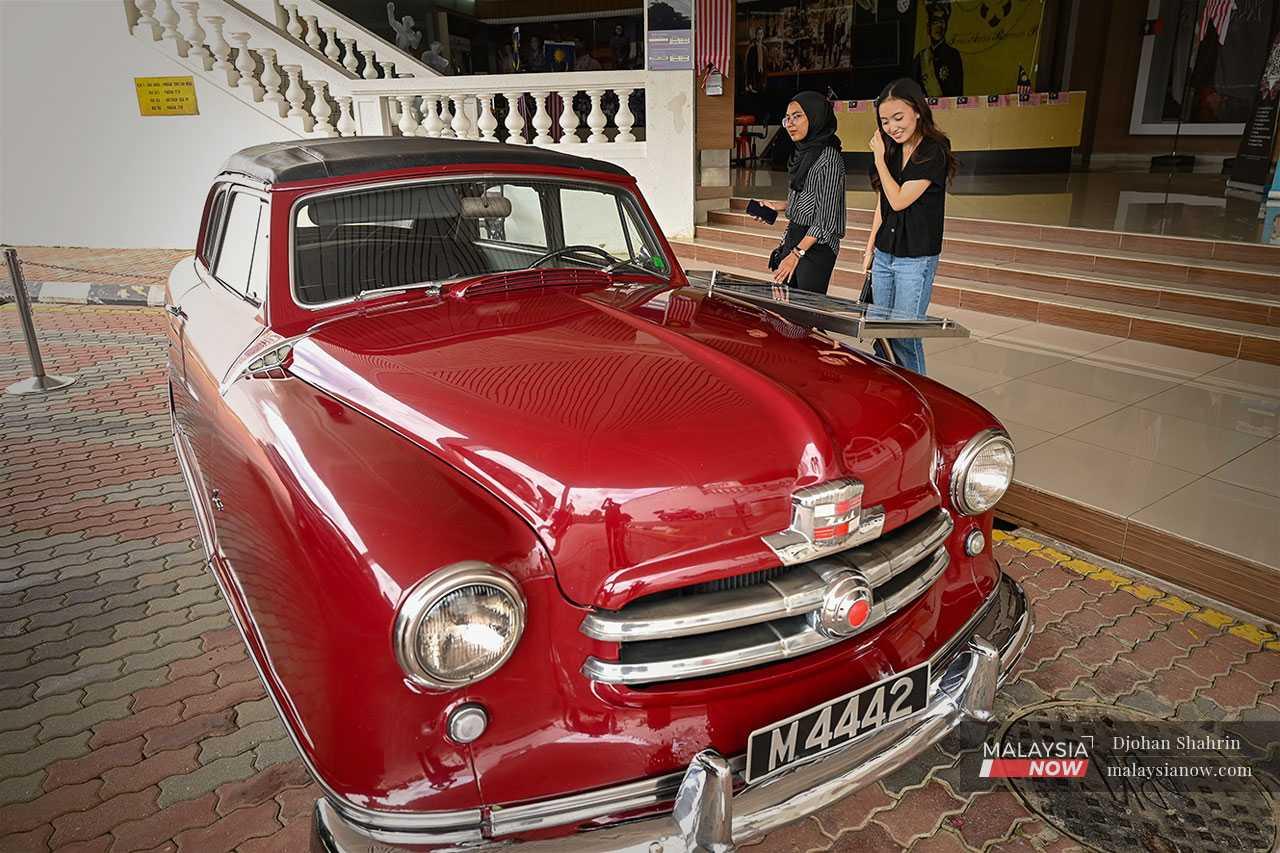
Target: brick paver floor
[130, 718]
[109, 266]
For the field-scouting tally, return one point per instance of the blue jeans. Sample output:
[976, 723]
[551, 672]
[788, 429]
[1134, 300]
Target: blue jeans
[904, 285]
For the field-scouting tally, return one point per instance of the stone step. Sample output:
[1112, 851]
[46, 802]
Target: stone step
[1251, 341]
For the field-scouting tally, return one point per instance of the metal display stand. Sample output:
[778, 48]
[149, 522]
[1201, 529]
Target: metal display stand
[830, 313]
[40, 382]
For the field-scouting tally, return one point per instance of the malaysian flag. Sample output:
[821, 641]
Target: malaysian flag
[713, 36]
[1218, 13]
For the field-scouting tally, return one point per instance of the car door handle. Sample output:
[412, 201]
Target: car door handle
[176, 311]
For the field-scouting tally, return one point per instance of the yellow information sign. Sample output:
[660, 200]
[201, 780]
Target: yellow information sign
[166, 96]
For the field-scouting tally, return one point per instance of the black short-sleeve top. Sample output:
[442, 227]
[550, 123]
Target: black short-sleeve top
[916, 230]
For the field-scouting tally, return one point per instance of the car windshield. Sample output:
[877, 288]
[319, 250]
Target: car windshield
[348, 243]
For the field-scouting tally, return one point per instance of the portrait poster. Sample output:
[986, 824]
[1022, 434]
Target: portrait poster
[1253, 159]
[794, 38]
[670, 35]
[975, 47]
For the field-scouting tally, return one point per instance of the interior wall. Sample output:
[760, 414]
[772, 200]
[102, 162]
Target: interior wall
[1105, 62]
[78, 165]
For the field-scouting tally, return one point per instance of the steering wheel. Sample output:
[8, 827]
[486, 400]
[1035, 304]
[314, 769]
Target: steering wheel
[565, 250]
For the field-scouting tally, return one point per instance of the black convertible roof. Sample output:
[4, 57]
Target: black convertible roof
[311, 159]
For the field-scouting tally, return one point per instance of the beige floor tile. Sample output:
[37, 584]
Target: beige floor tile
[1042, 407]
[1223, 516]
[933, 346]
[1025, 437]
[1219, 406]
[1251, 376]
[1158, 358]
[1104, 479]
[1258, 469]
[1003, 359]
[1122, 384]
[1167, 439]
[979, 325]
[966, 380]
[1042, 337]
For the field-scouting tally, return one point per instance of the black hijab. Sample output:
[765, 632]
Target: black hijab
[822, 135]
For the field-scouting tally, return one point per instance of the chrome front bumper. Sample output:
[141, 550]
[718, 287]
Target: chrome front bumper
[707, 814]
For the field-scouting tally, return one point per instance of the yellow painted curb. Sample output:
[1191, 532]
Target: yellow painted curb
[1213, 618]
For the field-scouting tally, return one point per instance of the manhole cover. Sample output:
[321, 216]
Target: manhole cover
[1119, 808]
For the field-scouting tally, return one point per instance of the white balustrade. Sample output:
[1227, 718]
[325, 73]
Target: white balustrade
[330, 17]
[370, 65]
[169, 21]
[596, 118]
[221, 50]
[568, 118]
[432, 125]
[195, 35]
[295, 94]
[514, 122]
[461, 124]
[313, 32]
[271, 80]
[488, 122]
[388, 69]
[320, 109]
[446, 119]
[331, 48]
[624, 119]
[346, 124]
[541, 119]
[295, 26]
[408, 122]
[246, 66]
[349, 60]
[146, 13]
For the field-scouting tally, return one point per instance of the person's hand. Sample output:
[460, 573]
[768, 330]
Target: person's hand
[867, 258]
[786, 269]
[877, 144]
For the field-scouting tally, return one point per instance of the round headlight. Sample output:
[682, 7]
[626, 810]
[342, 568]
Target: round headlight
[982, 473]
[458, 625]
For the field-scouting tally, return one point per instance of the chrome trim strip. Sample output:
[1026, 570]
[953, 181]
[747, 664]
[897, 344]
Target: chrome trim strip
[351, 812]
[964, 671]
[801, 591]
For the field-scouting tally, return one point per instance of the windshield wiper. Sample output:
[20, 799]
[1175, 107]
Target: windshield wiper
[629, 262]
[394, 289]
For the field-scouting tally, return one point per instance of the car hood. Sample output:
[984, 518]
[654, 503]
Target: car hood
[650, 436]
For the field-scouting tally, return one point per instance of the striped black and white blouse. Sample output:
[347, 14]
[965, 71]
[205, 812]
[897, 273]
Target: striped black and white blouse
[820, 205]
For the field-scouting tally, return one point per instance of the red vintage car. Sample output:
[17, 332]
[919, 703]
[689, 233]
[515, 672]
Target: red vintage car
[534, 541]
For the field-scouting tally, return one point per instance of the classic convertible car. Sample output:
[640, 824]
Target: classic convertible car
[533, 541]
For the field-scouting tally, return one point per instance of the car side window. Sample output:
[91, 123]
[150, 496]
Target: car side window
[257, 287]
[239, 239]
[212, 228]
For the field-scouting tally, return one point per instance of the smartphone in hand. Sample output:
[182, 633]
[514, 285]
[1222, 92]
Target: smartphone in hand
[762, 212]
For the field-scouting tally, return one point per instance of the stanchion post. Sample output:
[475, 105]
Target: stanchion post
[40, 382]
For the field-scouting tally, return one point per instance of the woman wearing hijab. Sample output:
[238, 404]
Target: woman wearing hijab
[815, 204]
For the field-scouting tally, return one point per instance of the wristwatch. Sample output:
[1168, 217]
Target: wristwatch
[799, 252]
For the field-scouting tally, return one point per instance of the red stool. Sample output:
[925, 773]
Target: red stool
[745, 142]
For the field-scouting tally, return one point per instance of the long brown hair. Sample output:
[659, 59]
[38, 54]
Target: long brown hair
[908, 90]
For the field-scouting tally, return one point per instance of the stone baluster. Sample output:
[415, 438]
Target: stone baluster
[169, 21]
[393, 108]
[221, 50]
[446, 118]
[568, 119]
[294, 27]
[346, 123]
[431, 122]
[349, 60]
[246, 66]
[271, 80]
[624, 119]
[370, 65]
[147, 18]
[461, 124]
[388, 69]
[541, 119]
[295, 94]
[195, 36]
[596, 119]
[514, 122]
[331, 48]
[320, 109]
[314, 41]
[487, 123]
[408, 122]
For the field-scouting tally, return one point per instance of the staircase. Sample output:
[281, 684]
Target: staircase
[1205, 295]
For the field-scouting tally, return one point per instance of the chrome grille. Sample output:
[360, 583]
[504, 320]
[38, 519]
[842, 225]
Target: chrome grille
[762, 617]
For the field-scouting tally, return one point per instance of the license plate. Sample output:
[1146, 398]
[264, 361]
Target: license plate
[836, 722]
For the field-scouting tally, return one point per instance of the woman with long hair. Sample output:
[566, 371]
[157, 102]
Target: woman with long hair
[815, 202]
[913, 163]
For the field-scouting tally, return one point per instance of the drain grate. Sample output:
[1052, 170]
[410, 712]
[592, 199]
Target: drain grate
[1112, 810]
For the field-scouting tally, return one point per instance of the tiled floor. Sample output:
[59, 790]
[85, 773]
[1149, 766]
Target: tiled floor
[1183, 441]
